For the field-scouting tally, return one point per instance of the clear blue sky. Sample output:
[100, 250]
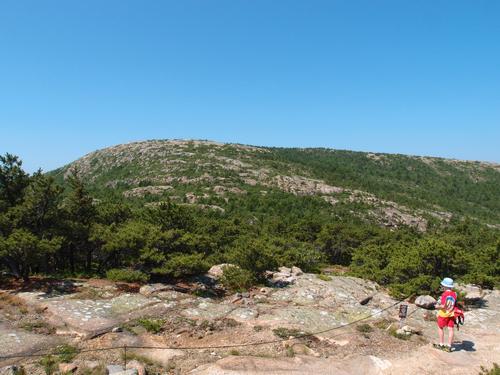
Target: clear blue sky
[414, 77]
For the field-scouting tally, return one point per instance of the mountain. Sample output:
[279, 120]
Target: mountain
[390, 189]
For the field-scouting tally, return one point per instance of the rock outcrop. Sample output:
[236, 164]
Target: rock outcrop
[217, 271]
[425, 302]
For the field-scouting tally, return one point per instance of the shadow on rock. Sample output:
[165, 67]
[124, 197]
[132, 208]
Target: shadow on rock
[467, 346]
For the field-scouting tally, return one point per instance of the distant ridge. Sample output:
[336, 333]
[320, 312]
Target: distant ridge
[392, 189]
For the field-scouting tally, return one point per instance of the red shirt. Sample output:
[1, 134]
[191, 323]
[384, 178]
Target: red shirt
[448, 300]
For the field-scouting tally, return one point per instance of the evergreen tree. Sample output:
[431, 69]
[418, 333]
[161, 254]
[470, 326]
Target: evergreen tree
[81, 215]
[13, 181]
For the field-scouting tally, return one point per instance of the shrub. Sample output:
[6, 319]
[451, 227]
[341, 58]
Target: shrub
[66, 353]
[152, 325]
[493, 371]
[255, 255]
[383, 324]
[300, 254]
[324, 277]
[285, 333]
[127, 275]
[258, 328]
[364, 328]
[183, 265]
[99, 370]
[394, 332]
[237, 279]
[49, 364]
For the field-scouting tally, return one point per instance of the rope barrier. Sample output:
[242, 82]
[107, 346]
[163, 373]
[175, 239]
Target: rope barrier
[269, 342]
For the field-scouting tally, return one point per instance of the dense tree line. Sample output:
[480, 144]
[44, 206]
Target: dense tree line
[53, 230]
[466, 188]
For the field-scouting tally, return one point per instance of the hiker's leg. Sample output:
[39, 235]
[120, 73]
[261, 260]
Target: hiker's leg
[441, 336]
[450, 335]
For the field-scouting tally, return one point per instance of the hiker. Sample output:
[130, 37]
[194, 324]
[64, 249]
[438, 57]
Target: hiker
[445, 318]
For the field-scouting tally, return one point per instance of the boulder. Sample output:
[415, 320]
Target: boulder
[410, 330]
[67, 368]
[136, 365]
[114, 369]
[217, 271]
[285, 276]
[127, 372]
[426, 302]
[280, 279]
[472, 292]
[402, 332]
[148, 290]
[285, 271]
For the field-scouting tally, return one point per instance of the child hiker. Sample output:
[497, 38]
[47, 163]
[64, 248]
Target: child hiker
[446, 305]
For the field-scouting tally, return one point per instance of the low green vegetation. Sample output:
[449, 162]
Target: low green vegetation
[401, 336]
[61, 354]
[66, 353]
[495, 370]
[127, 275]
[364, 328]
[383, 324]
[152, 325]
[237, 279]
[33, 326]
[99, 370]
[286, 333]
[49, 364]
[324, 277]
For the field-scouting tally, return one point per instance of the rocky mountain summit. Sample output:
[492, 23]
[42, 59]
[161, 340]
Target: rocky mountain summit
[393, 190]
[312, 325]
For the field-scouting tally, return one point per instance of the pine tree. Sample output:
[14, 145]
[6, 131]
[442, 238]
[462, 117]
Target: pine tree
[81, 215]
[13, 181]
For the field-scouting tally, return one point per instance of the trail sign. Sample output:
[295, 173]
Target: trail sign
[403, 311]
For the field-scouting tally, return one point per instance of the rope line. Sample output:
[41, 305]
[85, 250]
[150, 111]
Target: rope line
[269, 342]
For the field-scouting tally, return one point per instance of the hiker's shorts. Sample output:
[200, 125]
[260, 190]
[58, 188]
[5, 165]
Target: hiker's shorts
[446, 322]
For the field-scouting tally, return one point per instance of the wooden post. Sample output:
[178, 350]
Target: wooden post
[125, 357]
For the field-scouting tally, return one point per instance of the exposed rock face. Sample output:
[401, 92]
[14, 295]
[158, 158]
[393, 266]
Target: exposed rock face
[150, 289]
[426, 302]
[310, 304]
[142, 191]
[93, 317]
[304, 186]
[298, 365]
[14, 341]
